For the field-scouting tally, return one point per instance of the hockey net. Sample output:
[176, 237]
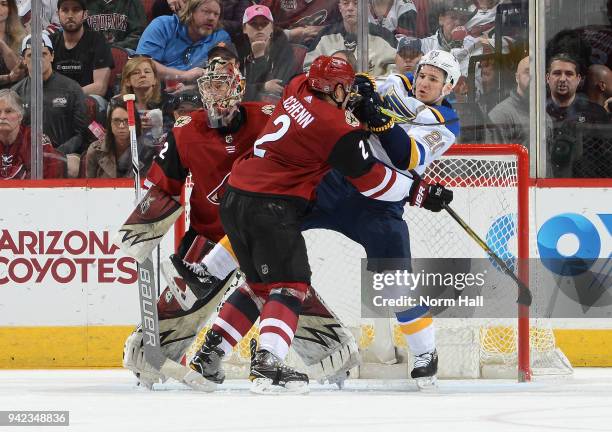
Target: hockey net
[490, 185]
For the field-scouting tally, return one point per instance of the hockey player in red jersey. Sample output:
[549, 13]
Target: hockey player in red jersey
[206, 143]
[268, 196]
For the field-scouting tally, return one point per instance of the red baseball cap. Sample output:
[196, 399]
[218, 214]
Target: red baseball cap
[257, 10]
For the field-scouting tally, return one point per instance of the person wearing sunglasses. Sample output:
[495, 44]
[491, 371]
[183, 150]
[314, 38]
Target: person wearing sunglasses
[179, 45]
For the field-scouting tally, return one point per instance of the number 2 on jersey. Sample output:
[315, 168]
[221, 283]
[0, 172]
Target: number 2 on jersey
[285, 121]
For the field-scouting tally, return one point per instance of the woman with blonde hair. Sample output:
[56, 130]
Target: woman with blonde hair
[12, 33]
[140, 77]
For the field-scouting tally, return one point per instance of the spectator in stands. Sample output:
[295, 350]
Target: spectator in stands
[111, 157]
[15, 145]
[408, 54]
[179, 44]
[265, 55]
[381, 42]
[81, 53]
[598, 84]
[11, 35]
[510, 118]
[488, 88]
[347, 55]
[140, 78]
[120, 21]
[64, 120]
[231, 17]
[482, 21]
[451, 14]
[473, 121]
[303, 19]
[397, 16]
[184, 103]
[571, 113]
[49, 13]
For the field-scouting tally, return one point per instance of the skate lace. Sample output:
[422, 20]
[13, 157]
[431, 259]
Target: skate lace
[422, 360]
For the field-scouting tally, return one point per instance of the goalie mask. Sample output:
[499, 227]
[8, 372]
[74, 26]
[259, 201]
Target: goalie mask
[221, 87]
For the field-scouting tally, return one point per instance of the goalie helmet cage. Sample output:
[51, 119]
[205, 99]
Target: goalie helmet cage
[491, 189]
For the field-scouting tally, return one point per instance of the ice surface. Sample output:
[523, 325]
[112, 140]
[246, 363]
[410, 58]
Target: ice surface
[109, 401]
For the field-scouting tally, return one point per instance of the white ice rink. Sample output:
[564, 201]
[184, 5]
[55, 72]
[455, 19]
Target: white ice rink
[109, 401]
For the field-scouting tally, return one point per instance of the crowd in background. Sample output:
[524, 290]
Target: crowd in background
[95, 51]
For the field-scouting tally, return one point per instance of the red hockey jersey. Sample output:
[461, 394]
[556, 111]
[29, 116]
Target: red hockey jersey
[194, 147]
[15, 163]
[304, 138]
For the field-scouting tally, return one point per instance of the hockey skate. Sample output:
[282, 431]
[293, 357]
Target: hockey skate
[425, 369]
[269, 375]
[199, 281]
[207, 361]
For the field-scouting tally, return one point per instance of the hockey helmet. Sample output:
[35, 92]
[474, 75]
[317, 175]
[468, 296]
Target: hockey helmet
[328, 72]
[445, 61]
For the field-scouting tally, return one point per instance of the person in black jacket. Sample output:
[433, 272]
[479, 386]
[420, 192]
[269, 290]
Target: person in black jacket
[64, 112]
[266, 56]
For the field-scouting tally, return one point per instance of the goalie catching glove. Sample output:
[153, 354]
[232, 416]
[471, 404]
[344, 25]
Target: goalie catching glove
[367, 103]
[432, 197]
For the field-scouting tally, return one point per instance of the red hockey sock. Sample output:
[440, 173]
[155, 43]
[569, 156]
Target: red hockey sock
[236, 317]
[278, 322]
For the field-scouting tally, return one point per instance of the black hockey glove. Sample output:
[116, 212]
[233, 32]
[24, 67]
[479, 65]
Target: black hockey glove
[429, 196]
[366, 104]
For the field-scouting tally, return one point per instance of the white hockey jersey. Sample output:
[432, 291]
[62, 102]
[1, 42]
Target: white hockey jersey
[437, 128]
[390, 20]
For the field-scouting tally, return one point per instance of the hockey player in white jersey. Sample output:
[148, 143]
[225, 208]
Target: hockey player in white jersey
[379, 226]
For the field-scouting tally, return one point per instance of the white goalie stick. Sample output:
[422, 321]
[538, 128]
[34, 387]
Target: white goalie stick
[525, 296]
[147, 290]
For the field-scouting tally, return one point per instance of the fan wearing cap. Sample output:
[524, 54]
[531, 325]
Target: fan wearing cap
[266, 55]
[408, 55]
[64, 112]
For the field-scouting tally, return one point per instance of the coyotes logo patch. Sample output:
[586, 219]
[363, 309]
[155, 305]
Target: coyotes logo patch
[351, 119]
[267, 109]
[182, 121]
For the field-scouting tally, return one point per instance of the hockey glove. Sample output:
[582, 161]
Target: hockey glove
[429, 196]
[367, 103]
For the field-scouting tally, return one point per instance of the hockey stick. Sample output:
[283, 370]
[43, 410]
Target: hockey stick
[401, 119]
[147, 289]
[525, 296]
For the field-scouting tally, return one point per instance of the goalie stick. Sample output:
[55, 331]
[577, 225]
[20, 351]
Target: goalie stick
[147, 291]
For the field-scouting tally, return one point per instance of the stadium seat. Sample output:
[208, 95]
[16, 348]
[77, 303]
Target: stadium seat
[120, 57]
[148, 8]
[299, 52]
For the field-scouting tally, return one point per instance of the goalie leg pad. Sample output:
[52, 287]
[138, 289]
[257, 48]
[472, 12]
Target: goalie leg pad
[323, 343]
[177, 329]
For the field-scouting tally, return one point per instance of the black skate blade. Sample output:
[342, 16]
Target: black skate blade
[264, 386]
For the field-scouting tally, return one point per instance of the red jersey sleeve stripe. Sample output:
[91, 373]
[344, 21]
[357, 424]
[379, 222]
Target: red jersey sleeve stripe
[160, 179]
